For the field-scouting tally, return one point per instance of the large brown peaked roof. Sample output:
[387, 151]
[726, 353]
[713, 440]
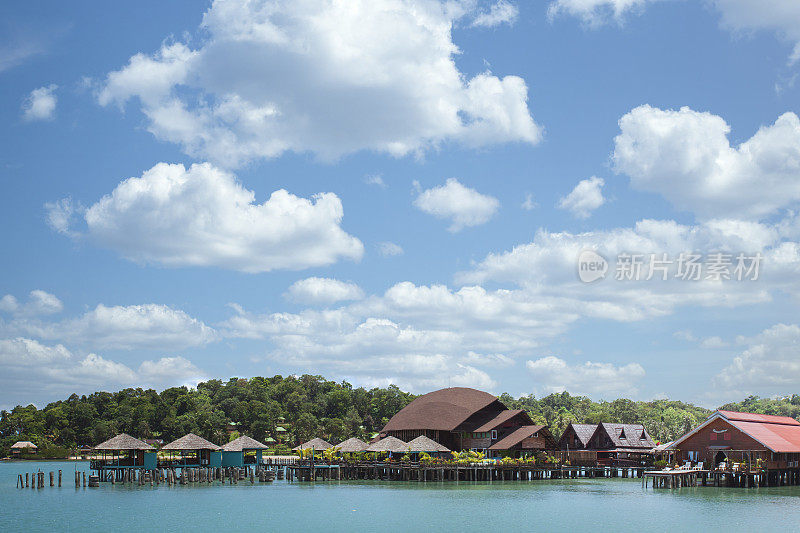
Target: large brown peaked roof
[502, 416]
[317, 444]
[425, 444]
[443, 409]
[243, 443]
[191, 442]
[123, 441]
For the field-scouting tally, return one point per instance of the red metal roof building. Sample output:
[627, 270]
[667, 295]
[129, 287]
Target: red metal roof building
[461, 418]
[732, 437]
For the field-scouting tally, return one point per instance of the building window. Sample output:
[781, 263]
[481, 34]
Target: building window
[713, 436]
[727, 436]
[494, 434]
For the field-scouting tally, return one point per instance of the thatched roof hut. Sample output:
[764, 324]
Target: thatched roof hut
[425, 444]
[191, 442]
[388, 444]
[317, 444]
[243, 443]
[352, 445]
[123, 441]
[24, 445]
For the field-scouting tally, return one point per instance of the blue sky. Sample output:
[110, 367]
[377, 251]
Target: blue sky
[395, 191]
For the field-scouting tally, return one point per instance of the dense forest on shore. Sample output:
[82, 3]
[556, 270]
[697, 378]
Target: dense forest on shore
[307, 406]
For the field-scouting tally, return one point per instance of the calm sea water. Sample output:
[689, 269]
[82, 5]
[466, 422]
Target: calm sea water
[582, 505]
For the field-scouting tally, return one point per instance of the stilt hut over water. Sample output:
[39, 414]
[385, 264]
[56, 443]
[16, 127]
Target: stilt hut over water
[191, 451]
[121, 452]
[352, 445]
[242, 451]
[424, 444]
[392, 445]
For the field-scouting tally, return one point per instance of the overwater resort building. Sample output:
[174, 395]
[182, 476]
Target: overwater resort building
[461, 418]
[123, 452]
[242, 451]
[728, 438]
[607, 443]
[191, 451]
[352, 445]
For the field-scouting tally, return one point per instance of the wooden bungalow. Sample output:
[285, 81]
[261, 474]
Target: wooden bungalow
[352, 445]
[607, 444]
[458, 418]
[525, 440]
[123, 452]
[576, 436]
[191, 451]
[242, 451]
[728, 439]
[23, 446]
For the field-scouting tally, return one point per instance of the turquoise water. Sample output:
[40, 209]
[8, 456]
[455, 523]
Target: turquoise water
[581, 505]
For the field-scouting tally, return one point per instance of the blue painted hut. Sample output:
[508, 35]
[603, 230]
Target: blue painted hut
[242, 451]
[191, 451]
[123, 452]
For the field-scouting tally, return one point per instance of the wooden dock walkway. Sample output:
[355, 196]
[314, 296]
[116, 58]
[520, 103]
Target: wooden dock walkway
[489, 471]
[675, 479]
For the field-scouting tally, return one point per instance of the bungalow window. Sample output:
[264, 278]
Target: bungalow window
[494, 434]
[727, 436]
[713, 436]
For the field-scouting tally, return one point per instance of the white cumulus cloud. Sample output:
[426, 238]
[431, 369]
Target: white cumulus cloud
[323, 291]
[463, 206]
[201, 216]
[686, 157]
[389, 249]
[40, 104]
[58, 371]
[596, 12]
[584, 198]
[330, 78]
[768, 365]
[779, 16]
[39, 303]
[501, 12]
[120, 327]
[553, 374]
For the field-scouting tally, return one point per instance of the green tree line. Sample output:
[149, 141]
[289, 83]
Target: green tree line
[307, 406]
[310, 406]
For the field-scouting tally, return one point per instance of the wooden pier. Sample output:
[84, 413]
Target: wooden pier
[675, 479]
[489, 471]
